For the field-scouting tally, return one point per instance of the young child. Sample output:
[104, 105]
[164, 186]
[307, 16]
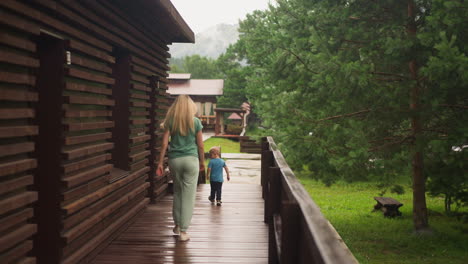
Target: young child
[215, 175]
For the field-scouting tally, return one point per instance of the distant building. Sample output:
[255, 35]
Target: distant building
[202, 91]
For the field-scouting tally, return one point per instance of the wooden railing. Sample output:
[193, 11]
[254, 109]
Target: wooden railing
[248, 145]
[298, 232]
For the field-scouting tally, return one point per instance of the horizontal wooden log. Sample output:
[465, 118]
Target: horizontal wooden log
[90, 64]
[17, 166]
[162, 107]
[139, 131]
[16, 113]
[93, 243]
[139, 96]
[87, 113]
[27, 260]
[96, 229]
[13, 149]
[17, 42]
[79, 204]
[139, 113]
[74, 99]
[18, 23]
[18, 95]
[17, 78]
[103, 28]
[143, 63]
[36, 14]
[139, 148]
[16, 183]
[18, 131]
[73, 233]
[85, 189]
[14, 219]
[139, 78]
[161, 189]
[88, 125]
[87, 138]
[139, 139]
[138, 165]
[138, 156]
[139, 121]
[17, 252]
[89, 50]
[88, 150]
[87, 88]
[89, 76]
[111, 13]
[17, 201]
[142, 70]
[140, 87]
[140, 104]
[77, 179]
[18, 59]
[100, 204]
[15, 237]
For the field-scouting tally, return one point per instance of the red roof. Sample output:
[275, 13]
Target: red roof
[235, 116]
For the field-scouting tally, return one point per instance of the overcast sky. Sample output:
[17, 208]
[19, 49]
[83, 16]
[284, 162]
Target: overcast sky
[202, 14]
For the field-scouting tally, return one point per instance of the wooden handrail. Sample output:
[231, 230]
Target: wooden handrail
[299, 233]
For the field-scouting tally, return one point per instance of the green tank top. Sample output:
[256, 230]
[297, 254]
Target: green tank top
[181, 146]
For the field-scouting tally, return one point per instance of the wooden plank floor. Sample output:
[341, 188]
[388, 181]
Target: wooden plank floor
[231, 233]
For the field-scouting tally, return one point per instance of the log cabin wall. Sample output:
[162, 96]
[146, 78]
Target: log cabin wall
[82, 94]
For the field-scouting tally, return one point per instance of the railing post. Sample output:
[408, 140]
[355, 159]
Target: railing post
[274, 193]
[274, 202]
[267, 162]
[290, 232]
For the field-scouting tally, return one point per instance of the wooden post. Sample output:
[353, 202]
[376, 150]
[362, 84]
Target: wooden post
[274, 193]
[267, 161]
[202, 177]
[218, 123]
[120, 112]
[50, 84]
[154, 85]
[290, 225]
[272, 247]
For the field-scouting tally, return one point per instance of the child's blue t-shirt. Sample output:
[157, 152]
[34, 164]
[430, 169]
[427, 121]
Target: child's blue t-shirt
[216, 166]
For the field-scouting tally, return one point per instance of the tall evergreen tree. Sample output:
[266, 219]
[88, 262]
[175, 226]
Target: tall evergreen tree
[360, 89]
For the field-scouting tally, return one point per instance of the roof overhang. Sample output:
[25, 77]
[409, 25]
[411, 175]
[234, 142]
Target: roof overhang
[159, 17]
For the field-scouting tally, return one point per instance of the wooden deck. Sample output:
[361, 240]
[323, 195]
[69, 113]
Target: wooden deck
[231, 233]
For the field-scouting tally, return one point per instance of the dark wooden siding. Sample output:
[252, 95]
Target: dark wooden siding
[98, 168]
[18, 132]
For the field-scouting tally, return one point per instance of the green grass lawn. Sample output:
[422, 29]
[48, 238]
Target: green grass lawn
[227, 145]
[375, 239]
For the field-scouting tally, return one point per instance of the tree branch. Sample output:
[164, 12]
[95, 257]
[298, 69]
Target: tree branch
[299, 59]
[399, 142]
[455, 106]
[345, 115]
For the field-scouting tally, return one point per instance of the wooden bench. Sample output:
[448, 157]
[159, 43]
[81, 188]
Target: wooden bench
[388, 205]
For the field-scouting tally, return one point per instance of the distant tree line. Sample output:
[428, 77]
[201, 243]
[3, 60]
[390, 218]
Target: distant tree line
[361, 90]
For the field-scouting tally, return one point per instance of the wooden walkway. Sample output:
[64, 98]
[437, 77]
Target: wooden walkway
[231, 233]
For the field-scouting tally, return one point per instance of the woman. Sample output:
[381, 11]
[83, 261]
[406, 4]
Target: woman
[186, 159]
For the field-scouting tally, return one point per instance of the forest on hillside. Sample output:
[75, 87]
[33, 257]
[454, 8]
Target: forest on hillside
[358, 90]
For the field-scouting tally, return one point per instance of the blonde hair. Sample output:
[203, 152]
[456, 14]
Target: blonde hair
[179, 117]
[215, 150]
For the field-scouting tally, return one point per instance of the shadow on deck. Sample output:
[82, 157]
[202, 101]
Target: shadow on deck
[231, 233]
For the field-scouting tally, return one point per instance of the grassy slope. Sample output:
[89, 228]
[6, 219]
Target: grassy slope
[227, 145]
[375, 239]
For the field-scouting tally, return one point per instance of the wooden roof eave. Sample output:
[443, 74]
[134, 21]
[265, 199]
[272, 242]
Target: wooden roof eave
[159, 17]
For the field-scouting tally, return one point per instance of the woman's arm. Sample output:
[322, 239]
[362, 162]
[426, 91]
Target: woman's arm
[165, 142]
[201, 150]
